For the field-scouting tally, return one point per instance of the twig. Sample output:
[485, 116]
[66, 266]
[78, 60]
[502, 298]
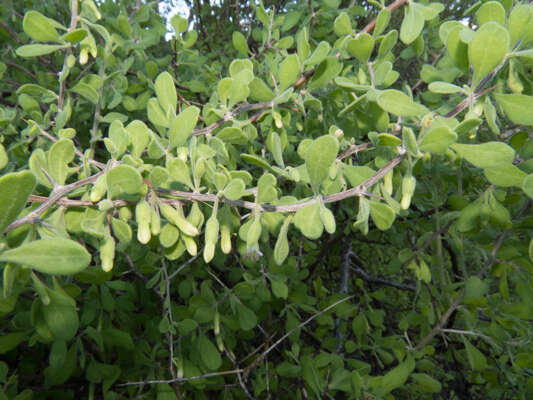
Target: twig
[369, 27]
[179, 380]
[76, 151]
[180, 268]
[430, 240]
[143, 278]
[73, 23]
[98, 109]
[57, 194]
[353, 149]
[444, 319]
[344, 268]
[167, 307]
[277, 342]
[229, 116]
[360, 190]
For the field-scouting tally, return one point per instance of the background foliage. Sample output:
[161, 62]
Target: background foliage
[163, 202]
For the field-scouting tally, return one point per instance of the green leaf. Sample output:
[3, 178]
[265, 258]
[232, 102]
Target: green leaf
[382, 21]
[166, 92]
[10, 341]
[260, 91]
[361, 47]
[182, 126]
[412, 24]
[34, 50]
[319, 157]
[240, 44]
[517, 107]
[139, 137]
[398, 103]
[124, 181]
[274, 145]
[87, 91]
[521, 24]
[311, 375]
[179, 171]
[232, 134]
[281, 249]
[486, 155]
[438, 140]
[476, 359]
[247, 318]
[444, 88]
[342, 25]
[527, 185]
[325, 73]
[487, 49]
[59, 156]
[505, 175]
[169, 235]
[235, 189]
[57, 256]
[490, 11]
[386, 139]
[395, 378]
[256, 160]
[40, 28]
[475, 288]
[427, 383]
[279, 289]
[179, 23]
[457, 49]
[74, 36]
[382, 215]
[307, 220]
[357, 174]
[156, 115]
[14, 191]
[209, 353]
[266, 188]
[319, 55]
[289, 71]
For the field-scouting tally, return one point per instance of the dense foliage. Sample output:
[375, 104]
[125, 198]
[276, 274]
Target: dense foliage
[284, 200]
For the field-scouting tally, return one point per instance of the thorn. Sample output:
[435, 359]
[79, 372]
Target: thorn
[49, 177]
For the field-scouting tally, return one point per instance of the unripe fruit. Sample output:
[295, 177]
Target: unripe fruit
[143, 213]
[408, 189]
[387, 182]
[174, 217]
[99, 189]
[125, 214]
[107, 253]
[327, 218]
[225, 239]
[155, 222]
[254, 232]
[190, 245]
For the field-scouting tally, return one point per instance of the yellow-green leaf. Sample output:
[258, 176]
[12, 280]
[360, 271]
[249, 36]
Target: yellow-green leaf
[517, 107]
[40, 28]
[398, 103]
[318, 158]
[487, 49]
[166, 92]
[289, 71]
[486, 155]
[382, 215]
[14, 191]
[438, 140]
[57, 256]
